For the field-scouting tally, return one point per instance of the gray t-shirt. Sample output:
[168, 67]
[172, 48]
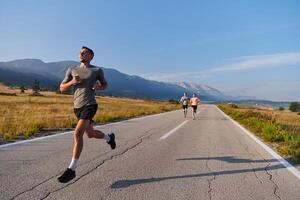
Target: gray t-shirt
[184, 100]
[84, 94]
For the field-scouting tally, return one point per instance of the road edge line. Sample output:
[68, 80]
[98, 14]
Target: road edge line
[284, 162]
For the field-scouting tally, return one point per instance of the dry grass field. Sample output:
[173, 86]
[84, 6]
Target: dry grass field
[24, 115]
[288, 120]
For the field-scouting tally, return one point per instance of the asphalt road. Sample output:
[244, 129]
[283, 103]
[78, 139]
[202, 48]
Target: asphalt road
[158, 157]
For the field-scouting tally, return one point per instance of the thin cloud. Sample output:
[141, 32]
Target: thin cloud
[177, 76]
[237, 64]
[262, 61]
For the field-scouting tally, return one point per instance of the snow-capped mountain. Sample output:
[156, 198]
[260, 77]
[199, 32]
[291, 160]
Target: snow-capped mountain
[200, 88]
[203, 89]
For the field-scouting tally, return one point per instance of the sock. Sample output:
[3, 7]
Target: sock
[73, 164]
[106, 137]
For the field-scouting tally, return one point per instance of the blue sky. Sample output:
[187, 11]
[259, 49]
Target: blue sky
[241, 47]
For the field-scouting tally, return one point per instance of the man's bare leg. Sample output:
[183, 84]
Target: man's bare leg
[78, 137]
[193, 113]
[92, 133]
[69, 174]
[78, 142]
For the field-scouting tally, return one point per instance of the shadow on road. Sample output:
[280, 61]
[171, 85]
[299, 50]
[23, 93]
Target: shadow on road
[229, 159]
[211, 118]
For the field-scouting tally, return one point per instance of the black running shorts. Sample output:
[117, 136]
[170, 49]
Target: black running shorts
[185, 107]
[194, 107]
[86, 112]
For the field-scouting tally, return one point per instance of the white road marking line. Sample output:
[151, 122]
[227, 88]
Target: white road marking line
[99, 126]
[176, 128]
[285, 163]
[63, 133]
[173, 130]
[35, 139]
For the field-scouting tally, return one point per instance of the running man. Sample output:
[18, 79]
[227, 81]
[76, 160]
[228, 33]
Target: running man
[194, 103]
[86, 79]
[185, 102]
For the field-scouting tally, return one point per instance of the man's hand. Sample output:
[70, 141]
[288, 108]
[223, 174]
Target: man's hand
[64, 86]
[199, 102]
[76, 79]
[99, 86]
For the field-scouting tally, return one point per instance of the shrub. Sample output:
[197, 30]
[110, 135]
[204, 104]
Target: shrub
[173, 101]
[232, 105]
[294, 107]
[281, 108]
[36, 94]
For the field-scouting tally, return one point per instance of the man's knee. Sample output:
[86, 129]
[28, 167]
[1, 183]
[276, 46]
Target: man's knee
[78, 134]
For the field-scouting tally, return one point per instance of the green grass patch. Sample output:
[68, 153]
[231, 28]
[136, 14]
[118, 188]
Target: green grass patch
[286, 141]
[33, 127]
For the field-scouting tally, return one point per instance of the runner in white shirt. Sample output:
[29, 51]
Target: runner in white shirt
[185, 103]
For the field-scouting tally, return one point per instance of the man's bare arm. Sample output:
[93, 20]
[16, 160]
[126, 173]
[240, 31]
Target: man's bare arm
[64, 86]
[102, 85]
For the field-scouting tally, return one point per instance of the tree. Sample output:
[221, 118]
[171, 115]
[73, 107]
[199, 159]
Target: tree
[22, 88]
[36, 88]
[294, 107]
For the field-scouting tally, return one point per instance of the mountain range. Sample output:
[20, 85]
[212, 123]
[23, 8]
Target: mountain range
[25, 71]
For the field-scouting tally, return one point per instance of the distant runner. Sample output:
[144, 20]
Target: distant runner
[86, 79]
[185, 103]
[194, 103]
